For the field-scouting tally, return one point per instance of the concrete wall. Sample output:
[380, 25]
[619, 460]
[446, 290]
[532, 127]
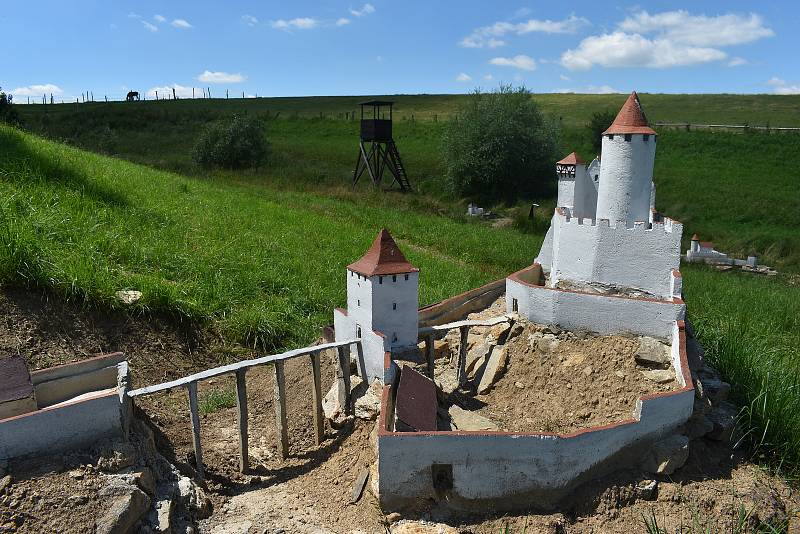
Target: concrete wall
[511, 470]
[72, 424]
[625, 178]
[388, 304]
[605, 314]
[639, 257]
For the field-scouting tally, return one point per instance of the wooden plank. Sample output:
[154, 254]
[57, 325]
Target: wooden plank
[458, 324]
[429, 355]
[358, 485]
[343, 378]
[231, 368]
[462, 355]
[241, 419]
[319, 417]
[195, 416]
[280, 409]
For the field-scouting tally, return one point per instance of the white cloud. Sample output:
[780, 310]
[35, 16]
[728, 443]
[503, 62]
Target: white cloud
[165, 91]
[181, 23]
[366, 9]
[488, 77]
[463, 77]
[520, 61]
[621, 49]
[668, 39]
[221, 77]
[250, 20]
[699, 30]
[780, 87]
[343, 21]
[489, 36]
[38, 90]
[149, 27]
[301, 23]
[591, 90]
[159, 18]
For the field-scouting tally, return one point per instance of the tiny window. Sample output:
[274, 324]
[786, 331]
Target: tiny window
[514, 305]
[358, 331]
[611, 136]
[406, 277]
[358, 302]
[646, 137]
[628, 137]
[394, 278]
[394, 337]
[596, 177]
[380, 279]
[394, 305]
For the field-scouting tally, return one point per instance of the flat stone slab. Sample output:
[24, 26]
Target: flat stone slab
[476, 357]
[652, 352]
[470, 421]
[660, 376]
[494, 368]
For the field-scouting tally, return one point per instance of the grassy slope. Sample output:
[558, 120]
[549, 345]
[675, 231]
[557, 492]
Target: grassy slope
[266, 266]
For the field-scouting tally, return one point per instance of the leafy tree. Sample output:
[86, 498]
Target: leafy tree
[231, 144]
[7, 112]
[499, 147]
[598, 124]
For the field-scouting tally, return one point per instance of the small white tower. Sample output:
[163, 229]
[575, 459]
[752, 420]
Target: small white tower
[566, 170]
[383, 294]
[626, 174]
[695, 245]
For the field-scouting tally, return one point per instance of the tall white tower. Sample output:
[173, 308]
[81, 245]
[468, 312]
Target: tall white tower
[383, 294]
[626, 173]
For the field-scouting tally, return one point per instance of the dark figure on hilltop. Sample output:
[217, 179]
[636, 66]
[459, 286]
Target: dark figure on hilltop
[132, 95]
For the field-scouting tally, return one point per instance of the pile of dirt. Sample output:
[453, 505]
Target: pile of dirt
[561, 382]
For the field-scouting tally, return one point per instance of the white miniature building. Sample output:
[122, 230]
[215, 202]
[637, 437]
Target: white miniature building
[607, 233]
[382, 304]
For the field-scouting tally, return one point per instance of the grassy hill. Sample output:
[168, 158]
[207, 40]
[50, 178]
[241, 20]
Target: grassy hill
[738, 190]
[264, 266]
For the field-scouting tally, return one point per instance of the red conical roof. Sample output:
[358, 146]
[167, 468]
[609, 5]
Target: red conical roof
[630, 119]
[383, 257]
[572, 159]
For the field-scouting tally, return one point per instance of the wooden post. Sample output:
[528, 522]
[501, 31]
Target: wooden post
[280, 409]
[241, 417]
[361, 363]
[319, 417]
[195, 415]
[429, 355]
[343, 377]
[462, 356]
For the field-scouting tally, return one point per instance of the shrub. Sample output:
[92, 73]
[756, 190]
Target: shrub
[231, 144]
[7, 112]
[598, 124]
[499, 146]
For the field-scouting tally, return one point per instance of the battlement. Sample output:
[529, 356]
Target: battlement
[665, 224]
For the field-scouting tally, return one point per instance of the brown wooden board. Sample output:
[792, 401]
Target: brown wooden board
[416, 400]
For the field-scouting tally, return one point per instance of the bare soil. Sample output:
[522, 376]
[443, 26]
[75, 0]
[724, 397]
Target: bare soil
[562, 383]
[310, 492]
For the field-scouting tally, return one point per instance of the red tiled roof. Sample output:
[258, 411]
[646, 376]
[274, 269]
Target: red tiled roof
[630, 119]
[695, 237]
[572, 159]
[383, 257]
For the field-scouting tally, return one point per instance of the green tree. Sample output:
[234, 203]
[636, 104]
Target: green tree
[232, 144]
[499, 147]
[7, 112]
[598, 124]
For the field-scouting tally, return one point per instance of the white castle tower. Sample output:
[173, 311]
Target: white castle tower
[626, 171]
[382, 303]
[577, 191]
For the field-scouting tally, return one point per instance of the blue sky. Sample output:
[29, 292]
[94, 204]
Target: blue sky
[385, 47]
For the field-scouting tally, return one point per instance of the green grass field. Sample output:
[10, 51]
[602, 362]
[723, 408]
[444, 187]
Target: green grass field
[258, 256]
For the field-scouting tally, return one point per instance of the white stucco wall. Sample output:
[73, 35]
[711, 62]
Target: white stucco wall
[604, 314]
[514, 469]
[638, 257]
[585, 193]
[374, 346]
[626, 175]
[566, 191]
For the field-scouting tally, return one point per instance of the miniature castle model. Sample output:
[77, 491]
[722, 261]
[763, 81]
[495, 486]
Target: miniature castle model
[382, 304]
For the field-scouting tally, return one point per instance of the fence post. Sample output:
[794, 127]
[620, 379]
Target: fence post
[429, 354]
[280, 409]
[195, 416]
[241, 417]
[343, 377]
[462, 356]
[319, 417]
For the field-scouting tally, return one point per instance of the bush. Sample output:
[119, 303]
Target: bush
[231, 144]
[8, 114]
[499, 146]
[598, 124]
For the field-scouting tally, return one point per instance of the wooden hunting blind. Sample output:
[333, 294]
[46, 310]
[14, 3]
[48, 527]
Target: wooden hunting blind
[382, 154]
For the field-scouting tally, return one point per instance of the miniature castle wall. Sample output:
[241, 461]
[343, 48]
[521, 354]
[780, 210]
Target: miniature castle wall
[585, 204]
[639, 257]
[388, 304]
